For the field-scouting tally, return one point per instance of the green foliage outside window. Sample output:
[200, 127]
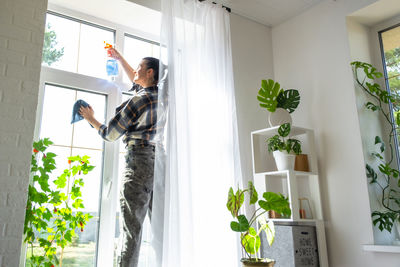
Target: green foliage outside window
[50, 53]
[53, 206]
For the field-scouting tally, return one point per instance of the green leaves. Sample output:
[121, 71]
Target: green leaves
[235, 201]
[268, 228]
[288, 99]
[50, 219]
[251, 241]
[369, 71]
[284, 130]
[276, 202]
[371, 174]
[383, 176]
[242, 225]
[253, 193]
[378, 140]
[268, 94]
[293, 145]
[384, 220]
[278, 143]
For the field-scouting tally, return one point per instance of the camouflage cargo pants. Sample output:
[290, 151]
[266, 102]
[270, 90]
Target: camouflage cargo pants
[135, 200]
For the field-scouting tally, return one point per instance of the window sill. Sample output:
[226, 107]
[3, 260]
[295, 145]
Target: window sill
[382, 248]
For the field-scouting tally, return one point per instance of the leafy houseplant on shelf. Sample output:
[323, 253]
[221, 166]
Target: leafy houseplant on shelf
[385, 177]
[284, 150]
[249, 236]
[53, 206]
[278, 101]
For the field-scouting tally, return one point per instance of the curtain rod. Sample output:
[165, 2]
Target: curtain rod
[227, 8]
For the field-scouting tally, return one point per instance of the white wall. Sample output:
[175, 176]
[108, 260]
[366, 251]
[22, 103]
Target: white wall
[21, 41]
[252, 62]
[311, 52]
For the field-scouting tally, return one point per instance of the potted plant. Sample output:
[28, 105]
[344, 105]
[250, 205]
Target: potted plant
[278, 101]
[249, 236]
[54, 206]
[284, 149]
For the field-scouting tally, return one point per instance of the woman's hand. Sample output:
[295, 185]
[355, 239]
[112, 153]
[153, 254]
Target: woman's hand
[112, 52]
[87, 112]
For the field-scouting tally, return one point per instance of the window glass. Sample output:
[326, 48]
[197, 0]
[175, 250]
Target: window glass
[75, 46]
[70, 140]
[391, 48]
[135, 49]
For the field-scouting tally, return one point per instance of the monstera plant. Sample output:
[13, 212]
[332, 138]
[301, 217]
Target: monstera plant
[385, 177]
[272, 96]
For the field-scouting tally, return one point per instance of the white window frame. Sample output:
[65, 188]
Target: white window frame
[113, 91]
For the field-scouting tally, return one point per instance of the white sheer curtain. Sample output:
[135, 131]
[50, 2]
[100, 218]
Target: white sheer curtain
[202, 150]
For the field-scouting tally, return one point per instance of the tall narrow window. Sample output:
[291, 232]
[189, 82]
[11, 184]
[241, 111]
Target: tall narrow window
[70, 140]
[390, 45]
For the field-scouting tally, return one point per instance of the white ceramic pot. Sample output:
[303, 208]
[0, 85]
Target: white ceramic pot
[279, 117]
[284, 161]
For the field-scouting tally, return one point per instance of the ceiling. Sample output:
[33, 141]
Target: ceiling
[267, 12]
[377, 12]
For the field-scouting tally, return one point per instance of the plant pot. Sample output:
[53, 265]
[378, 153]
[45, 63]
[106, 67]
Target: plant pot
[279, 117]
[284, 161]
[301, 163]
[260, 262]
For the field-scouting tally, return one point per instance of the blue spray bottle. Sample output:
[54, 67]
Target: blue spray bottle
[111, 64]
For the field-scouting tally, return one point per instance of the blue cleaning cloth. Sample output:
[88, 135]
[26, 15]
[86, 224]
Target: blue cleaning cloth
[75, 110]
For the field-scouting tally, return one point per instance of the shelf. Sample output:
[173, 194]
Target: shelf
[284, 173]
[382, 248]
[274, 130]
[294, 221]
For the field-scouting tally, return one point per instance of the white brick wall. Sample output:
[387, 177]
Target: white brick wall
[21, 35]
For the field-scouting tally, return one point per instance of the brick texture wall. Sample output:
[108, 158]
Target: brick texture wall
[21, 40]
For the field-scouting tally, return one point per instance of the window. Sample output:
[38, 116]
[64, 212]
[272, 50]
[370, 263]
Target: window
[73, 68]
[76, 46]
[390, 45]
[70, 140]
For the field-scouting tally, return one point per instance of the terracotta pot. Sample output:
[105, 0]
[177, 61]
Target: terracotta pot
[261, 262]
[301, 163]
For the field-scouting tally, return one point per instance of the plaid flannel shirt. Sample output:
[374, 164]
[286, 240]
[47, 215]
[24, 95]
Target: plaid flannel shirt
[136, 118]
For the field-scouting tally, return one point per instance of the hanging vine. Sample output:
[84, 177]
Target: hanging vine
[384, 176]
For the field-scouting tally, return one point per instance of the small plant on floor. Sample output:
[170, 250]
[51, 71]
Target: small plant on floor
[279, 143]
[53, 206]
[249, 236]
[384, 177]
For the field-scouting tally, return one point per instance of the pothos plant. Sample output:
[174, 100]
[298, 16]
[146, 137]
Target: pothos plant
[384, 176]
[53, 206]
[249, 236]
[272, 96]
[279, 143]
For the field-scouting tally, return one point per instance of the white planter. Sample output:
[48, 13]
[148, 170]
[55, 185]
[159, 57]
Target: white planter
[279, 117]
[284, 161]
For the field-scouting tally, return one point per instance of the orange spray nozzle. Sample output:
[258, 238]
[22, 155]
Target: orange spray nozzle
[107, 45]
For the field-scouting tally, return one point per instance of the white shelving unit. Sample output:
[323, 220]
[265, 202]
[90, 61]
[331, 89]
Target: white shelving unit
[295, 185]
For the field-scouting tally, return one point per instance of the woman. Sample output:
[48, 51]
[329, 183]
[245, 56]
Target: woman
[136, 120]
